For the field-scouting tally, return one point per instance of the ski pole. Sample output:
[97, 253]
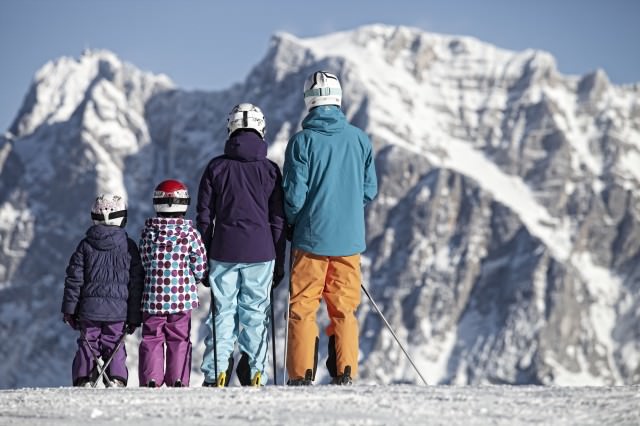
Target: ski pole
[95, 358]
[273, 341]
[108, 361]
[286, 317]
[187, 357]
[393, 333]
[286, 338]
[93, 355]
[213, 329]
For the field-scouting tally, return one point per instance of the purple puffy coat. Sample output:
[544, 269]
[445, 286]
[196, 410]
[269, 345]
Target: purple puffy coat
[104, 277]
[242, 192]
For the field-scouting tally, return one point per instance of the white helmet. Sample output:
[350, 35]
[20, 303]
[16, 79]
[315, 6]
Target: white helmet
[322, 88]
[109, 209]
[246, 116]
[171, 196]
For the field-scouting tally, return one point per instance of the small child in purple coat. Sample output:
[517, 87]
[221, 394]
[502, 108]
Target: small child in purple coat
[102, 293]
[174, 259]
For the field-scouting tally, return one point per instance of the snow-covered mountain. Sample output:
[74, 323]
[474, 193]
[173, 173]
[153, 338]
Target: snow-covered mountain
[504, 246]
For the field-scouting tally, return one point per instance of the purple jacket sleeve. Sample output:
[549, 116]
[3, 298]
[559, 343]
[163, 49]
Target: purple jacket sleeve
[73, 281]
[136, 285]
[277, 221]
[206, 208]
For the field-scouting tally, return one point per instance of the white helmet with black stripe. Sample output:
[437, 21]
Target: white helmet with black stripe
[109, 209]
[322, 88]
[246, 116]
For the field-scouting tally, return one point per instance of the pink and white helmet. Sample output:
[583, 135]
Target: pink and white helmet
[171, 196]
[109, 209]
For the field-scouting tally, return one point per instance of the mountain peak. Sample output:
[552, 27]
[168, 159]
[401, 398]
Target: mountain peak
[390, 52]
[60, 86]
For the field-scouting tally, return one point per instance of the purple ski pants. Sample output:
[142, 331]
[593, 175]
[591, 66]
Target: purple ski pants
[172, 331]
[102, 337]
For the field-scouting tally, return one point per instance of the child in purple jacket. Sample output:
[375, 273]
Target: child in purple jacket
[174, 259]
[102, 293]
[241, 218]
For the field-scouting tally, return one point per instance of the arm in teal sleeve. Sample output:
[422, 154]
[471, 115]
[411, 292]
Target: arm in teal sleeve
[295, 178]
[370, 178]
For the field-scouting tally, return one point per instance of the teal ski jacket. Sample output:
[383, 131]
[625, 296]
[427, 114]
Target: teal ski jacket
[328, 177]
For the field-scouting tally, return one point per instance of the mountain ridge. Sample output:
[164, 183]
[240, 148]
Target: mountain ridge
[501, 180]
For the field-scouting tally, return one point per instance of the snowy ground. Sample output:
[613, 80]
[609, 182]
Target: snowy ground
[355, 405]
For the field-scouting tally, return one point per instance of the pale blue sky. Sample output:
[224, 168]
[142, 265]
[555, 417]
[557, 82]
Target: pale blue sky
[212, 44]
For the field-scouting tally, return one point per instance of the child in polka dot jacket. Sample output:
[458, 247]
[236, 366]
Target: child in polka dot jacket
[174, 259]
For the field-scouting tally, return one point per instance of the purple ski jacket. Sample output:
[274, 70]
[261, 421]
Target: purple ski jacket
[104, 277]
[242, 192]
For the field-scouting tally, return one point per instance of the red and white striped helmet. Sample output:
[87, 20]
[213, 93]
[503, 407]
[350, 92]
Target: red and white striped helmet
[171, 196]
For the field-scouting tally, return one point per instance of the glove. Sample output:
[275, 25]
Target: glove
[130, 328]
[205, 281]
[289, 232]
[71, 320]
[278, 276]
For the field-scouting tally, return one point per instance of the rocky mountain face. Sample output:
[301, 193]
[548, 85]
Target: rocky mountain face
[503, 247]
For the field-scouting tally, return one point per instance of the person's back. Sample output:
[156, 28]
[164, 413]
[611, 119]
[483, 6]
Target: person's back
[240, 215]
[105, 291]
[243, 207]
[172, 245]
[103, 288]
[334, 155]
[174, 260]
[329, 176]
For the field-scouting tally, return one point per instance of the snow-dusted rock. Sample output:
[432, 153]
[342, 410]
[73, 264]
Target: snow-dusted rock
[503, 247]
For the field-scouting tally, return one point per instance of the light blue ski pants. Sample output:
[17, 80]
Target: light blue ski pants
[241, 293]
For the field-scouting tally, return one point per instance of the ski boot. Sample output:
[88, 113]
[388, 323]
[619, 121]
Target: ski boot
[222, 380]
[306, 381]
[343, 379]
[117, 383]
[256, 379]
[83, 382]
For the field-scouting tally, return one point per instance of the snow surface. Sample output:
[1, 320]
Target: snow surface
[355, 405]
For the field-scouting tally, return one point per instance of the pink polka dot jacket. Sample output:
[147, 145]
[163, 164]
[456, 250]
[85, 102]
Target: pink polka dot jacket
[174, 259]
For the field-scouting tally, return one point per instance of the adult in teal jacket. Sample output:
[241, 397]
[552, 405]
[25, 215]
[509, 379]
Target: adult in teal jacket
[329, 175]
[328, 178]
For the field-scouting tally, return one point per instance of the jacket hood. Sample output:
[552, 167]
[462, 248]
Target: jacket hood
[246, 145]
[162, 228]
[106, 237]
[325, 119]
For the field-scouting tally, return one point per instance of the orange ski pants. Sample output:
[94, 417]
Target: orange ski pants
[336, 279]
